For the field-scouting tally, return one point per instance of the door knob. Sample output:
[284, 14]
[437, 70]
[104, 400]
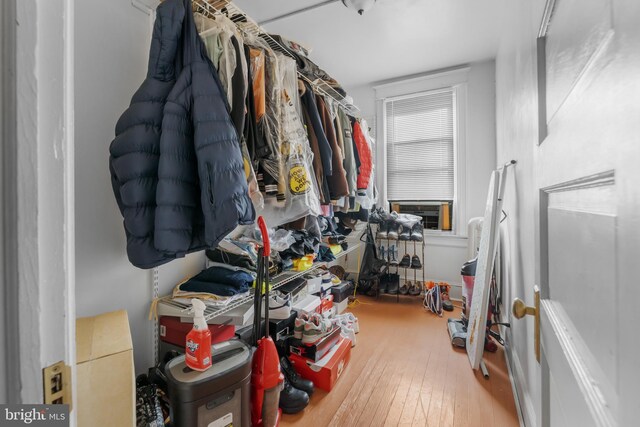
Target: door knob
[520, 309]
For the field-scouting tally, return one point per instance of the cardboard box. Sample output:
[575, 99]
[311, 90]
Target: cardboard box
[297, 288]
[315, 351]
[314, 281]
[341, 306]
[105, 373]
[326, 372]
[173, 331]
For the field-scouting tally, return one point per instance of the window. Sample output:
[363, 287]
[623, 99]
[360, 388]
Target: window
[420, 148]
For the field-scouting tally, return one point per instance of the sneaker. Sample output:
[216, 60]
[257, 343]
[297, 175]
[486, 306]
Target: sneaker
[404, 289]
[315, 329]
[393, 228]
[414, 289]
[298, 325]
[405, 262]
[392, 255]
[415, 262]
[383, 230]
[346, 331]
[444, 295]
[279, 306]
[351, 319]
[405, 234]
[382, 253]
[416, 232]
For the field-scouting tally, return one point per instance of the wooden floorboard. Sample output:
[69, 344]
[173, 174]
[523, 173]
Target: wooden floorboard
[404, 371]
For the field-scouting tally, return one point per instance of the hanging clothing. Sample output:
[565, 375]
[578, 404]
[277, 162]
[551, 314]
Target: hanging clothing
[134, 153]
[364, 154]
[201, 172]
[338, 186]
[217, 38]
[349, 162]
[257, 64]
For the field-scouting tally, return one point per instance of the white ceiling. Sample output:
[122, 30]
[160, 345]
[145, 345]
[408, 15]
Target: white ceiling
[396, 38]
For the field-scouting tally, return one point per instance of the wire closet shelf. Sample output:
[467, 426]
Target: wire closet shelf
[276, 282]
[246, 25]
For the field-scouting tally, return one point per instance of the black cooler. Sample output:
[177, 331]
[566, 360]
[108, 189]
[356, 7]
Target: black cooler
[219, 396]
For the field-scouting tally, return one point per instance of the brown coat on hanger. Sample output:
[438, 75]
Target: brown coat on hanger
[338, 186]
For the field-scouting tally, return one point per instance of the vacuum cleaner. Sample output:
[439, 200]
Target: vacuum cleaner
[266, 378]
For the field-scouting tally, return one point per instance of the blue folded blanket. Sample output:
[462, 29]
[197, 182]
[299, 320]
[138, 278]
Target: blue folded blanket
[219, 281]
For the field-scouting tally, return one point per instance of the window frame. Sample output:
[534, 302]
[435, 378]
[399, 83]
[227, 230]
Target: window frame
[456, 80]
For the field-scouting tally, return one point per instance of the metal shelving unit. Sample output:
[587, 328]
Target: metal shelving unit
[277, 281]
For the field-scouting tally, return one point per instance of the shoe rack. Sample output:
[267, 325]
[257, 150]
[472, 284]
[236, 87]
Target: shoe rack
[387, 255]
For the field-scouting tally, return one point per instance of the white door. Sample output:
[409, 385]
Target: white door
[588, 181]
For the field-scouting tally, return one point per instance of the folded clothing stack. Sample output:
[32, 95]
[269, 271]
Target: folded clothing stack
[219, 281]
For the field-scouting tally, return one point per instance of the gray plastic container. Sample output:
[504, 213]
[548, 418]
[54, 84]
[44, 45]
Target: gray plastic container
[219, 396]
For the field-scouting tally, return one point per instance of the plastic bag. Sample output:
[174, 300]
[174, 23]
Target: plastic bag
[301, 191]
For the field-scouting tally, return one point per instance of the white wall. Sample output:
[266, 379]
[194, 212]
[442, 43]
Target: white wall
[446, 254]
[112, 49]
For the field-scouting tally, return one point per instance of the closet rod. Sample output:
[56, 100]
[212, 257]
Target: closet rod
[248, 26]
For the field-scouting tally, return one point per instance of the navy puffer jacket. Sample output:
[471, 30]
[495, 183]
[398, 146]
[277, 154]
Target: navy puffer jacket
[201, 170]
[135, 151]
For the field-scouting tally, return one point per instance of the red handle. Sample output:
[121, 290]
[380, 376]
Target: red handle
[265, 236]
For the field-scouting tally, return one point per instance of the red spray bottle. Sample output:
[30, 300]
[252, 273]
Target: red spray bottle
[198, 348]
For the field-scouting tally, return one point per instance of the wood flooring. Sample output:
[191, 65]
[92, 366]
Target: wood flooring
[404, 372]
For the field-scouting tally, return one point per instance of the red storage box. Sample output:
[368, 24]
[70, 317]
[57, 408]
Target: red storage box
[325, 372]
[173, 331]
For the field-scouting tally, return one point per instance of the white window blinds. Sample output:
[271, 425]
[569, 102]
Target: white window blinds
[420, 140]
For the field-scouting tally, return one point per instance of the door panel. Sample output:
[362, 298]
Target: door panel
[578, 28]
[578, 235]
[582, 276]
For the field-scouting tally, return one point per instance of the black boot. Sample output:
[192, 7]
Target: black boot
[292, 400]
[296, 380]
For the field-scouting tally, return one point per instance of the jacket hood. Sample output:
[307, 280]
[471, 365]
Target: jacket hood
[167, 30]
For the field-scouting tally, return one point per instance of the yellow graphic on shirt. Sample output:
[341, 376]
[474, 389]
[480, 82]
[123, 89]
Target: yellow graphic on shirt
[299, 181]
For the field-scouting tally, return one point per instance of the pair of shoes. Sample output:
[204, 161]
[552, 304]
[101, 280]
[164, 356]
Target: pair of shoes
[409, 261]
[414, 289]
[389, 254]
[447, 305]
[404, 289]
[295, 393]
[416, 232]
[311, 329]
[377, 216]
[393, 230]
[279, 306]
[349, 327]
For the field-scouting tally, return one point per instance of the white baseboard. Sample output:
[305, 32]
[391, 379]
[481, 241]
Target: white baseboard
[524, 404]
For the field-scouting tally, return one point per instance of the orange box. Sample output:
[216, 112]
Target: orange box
[325, 372]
